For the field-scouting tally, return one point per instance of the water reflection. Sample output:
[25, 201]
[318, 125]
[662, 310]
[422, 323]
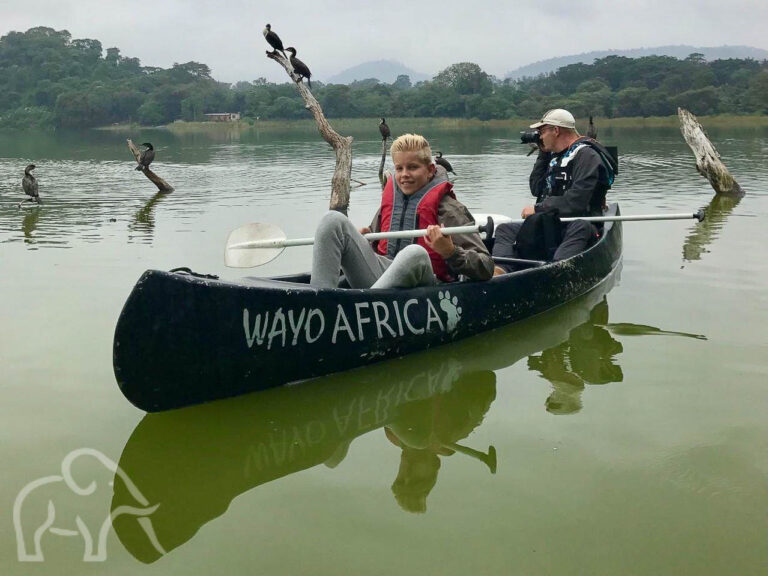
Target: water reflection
[431, 428]
[29, 224]
[588, 356]
[195, 461]
[704, 233]
[143, 223]
[89, 176]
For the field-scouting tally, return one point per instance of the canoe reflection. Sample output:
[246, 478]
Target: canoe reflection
[194, 461]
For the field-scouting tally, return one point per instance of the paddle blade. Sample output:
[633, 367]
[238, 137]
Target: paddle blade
[236, 256]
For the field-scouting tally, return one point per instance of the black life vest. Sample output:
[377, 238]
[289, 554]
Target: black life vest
[560, 172]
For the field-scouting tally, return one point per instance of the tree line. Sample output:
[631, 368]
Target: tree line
[48, 79]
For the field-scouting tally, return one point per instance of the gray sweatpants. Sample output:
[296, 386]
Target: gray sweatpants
[339, 246]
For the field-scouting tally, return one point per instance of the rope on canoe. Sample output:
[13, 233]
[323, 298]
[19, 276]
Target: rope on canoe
[185, 270]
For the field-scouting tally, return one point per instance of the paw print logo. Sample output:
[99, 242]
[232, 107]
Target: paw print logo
[451, 308]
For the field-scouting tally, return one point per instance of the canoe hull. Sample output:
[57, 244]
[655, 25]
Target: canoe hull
[183, 339]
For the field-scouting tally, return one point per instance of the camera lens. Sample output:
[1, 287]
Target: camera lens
[530, 137]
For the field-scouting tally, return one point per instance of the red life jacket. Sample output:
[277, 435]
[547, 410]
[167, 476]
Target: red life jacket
[425, 213]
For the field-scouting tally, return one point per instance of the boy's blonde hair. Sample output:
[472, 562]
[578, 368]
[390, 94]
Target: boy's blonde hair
[413, 143]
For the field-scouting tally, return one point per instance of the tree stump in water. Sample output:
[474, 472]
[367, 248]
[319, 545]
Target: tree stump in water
[342, 145]
[161, 184]
[708, 162]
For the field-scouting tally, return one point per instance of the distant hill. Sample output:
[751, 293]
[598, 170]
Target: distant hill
[383, 70]
[681, 51]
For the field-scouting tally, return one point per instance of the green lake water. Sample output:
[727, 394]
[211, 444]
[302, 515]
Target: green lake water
[623, 433]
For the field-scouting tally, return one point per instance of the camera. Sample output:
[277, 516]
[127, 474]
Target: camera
[530, 137]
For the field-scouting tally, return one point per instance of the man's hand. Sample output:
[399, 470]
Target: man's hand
[528, 211]
[365, 230]
[441, 244]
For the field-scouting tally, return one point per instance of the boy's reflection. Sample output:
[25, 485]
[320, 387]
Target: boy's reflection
[431, 428]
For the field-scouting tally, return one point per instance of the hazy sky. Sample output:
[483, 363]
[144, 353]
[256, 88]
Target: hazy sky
[331, 35]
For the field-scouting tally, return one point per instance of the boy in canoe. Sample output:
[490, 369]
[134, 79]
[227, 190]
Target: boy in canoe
[418, 197]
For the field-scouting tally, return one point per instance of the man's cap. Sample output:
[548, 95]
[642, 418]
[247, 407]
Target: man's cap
[556, 117]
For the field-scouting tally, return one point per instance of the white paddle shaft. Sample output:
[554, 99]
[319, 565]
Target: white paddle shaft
[258, 243]
[502, 219]
[370, 236]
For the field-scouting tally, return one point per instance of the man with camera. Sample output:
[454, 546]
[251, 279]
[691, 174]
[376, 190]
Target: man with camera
[570, 178]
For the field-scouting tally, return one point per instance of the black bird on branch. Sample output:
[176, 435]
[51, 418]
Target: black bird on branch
[29, 185]
[384, 129]
[299, 67]
[146, 157]
[592, 130]
[443, 162]
[273, 40]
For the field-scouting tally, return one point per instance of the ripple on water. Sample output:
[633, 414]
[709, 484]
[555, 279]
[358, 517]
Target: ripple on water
[86, 200]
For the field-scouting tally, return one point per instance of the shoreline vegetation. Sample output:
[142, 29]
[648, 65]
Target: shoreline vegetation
[49, 80]
[355, 124]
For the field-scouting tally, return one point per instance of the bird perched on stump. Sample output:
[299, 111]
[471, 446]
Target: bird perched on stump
[443, 162]
[592, 129]
[384, 129]
[273, 40]
[29, 185]
[299, 67]
[146, 157]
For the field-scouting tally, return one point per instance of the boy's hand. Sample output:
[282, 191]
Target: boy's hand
[441, 244]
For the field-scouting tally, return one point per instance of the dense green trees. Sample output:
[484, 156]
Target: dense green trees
[49, 79]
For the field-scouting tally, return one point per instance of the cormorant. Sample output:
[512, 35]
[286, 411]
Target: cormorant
[29, 185]
[384, 129]
[146, 157]
[273, 40]
[592, 130]
[299, 67]
[443, 162]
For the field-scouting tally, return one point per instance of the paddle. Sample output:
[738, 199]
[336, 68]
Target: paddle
[502, 219]
[488, 459]
[258, 243]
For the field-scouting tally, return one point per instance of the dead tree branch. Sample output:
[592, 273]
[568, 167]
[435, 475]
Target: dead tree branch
[342, 145]
[161, 184]
[708, 162]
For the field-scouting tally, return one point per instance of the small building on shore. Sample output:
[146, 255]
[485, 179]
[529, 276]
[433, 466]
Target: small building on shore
[222, 117]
